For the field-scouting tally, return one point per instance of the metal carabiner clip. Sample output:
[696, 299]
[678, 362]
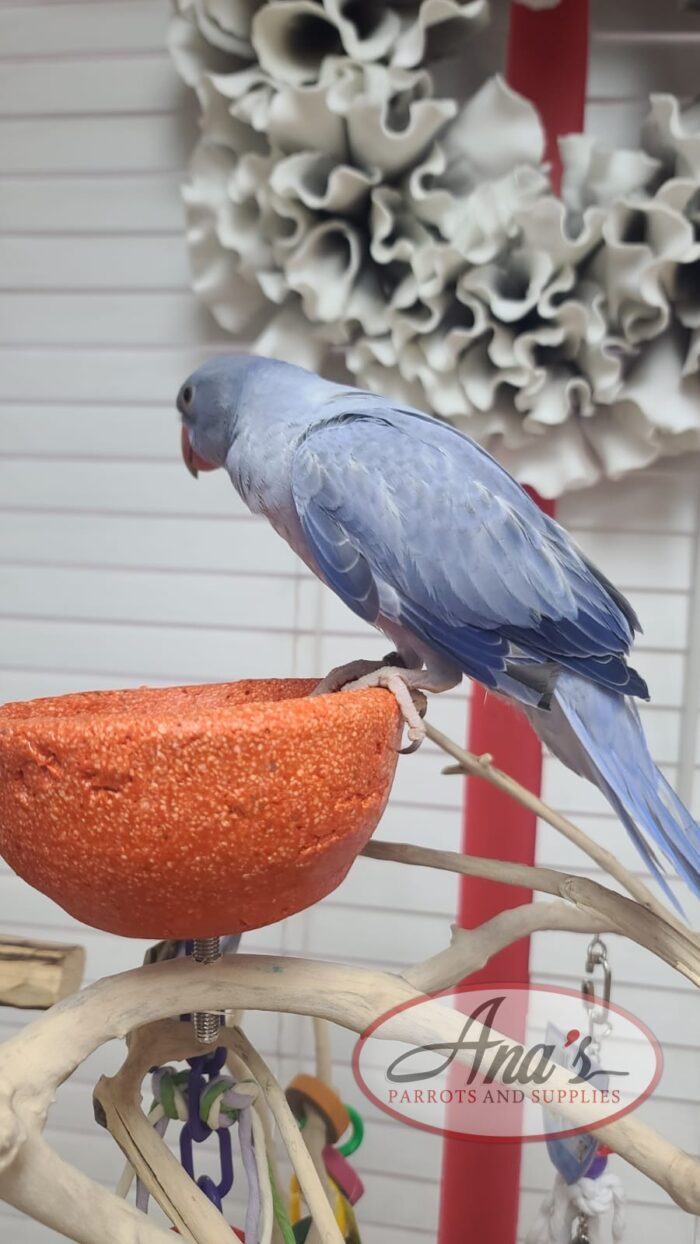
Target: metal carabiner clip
[597, 957]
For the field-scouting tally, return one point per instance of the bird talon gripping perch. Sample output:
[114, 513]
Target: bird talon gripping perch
[426, 537]
[410, 699]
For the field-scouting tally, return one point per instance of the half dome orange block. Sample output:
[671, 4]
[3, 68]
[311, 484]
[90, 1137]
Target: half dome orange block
[193, 811]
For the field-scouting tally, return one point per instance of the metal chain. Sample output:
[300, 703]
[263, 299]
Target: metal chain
[582, 1236]
[598, 1009]
[599, 1025]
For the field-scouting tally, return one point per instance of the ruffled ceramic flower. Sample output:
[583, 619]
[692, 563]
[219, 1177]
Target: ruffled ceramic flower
[435, 238]
[334, 200]
[292, 38]
[205, 34]
[281, 187]
[626, 371]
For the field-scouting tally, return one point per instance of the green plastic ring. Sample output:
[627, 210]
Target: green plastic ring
[358, 1133]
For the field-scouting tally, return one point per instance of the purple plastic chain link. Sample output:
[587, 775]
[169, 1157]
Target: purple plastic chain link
[203, 1070]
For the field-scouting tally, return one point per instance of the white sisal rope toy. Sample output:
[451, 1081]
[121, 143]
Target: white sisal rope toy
[589, 1199]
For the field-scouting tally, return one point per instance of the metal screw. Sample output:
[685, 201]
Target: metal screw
[206, 1023]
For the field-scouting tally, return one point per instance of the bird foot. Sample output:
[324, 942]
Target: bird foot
[343, 674]
[404, 685]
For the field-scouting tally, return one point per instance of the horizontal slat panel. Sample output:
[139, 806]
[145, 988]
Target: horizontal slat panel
[120, 375]
[645, 65]
[155, 600]
[157, 319]
[72, 263]
[176, 543]
[103, 204]
[94, 144]
[21, 684]
[105, 431]
[109, 27]
[661, 499]
[176, 654]
[125, 487]
[681, 1013]
[412, 889]
[635, 560]
[563, 956]
[119, 84]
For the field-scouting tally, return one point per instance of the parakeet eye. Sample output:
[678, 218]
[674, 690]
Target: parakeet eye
[184, 400]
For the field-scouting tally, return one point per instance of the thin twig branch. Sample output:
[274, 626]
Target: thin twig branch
[470, 765]
[471, 949]
[668, 942]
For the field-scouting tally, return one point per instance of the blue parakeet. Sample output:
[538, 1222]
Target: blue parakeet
[425, 536]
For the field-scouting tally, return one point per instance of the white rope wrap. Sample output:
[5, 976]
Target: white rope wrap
[564, 1204]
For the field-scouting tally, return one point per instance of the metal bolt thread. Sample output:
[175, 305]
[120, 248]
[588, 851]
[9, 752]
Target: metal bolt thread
[206, 1023]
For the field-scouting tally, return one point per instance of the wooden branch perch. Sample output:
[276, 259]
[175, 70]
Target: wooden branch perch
[117, 1102]
[48, 1051]
[670, 942]
[35, 975]
[471, 949]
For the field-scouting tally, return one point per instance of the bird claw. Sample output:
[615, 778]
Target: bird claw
[410, 699]
[416, 737]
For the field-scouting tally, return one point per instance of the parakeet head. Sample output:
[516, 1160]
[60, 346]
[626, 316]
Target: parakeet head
[208, 401]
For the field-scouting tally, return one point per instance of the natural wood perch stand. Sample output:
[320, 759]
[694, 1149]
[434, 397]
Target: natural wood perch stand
[142, 1003]
[35, 975]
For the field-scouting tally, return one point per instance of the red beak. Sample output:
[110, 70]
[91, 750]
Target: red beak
[192, 460]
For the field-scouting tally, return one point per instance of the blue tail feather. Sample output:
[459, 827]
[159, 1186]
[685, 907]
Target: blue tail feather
[598, 733]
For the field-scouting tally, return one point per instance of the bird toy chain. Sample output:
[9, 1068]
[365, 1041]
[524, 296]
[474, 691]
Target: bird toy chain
[207, 1102]
[583, 1188]
[599, 1027]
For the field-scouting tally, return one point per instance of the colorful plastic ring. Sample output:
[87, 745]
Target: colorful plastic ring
[344, 1176]
[305, 1091]
[358, 1132]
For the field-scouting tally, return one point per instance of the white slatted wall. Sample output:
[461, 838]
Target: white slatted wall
[116, 569]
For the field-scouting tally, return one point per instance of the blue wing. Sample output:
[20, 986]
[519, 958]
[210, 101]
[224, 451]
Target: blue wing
[407, 517]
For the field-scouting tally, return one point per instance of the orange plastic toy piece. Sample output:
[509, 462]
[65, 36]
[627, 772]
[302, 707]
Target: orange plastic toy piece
[193, 811]
[307, 1090]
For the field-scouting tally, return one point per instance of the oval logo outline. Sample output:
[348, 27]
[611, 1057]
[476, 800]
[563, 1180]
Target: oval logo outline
[511, 1138]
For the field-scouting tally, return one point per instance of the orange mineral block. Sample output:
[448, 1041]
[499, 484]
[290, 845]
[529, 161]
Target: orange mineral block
[193, 811]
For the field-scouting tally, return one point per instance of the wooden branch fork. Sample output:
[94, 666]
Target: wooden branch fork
[140, 1006]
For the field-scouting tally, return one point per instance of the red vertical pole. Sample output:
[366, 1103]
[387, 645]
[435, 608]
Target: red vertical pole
[547, 61]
